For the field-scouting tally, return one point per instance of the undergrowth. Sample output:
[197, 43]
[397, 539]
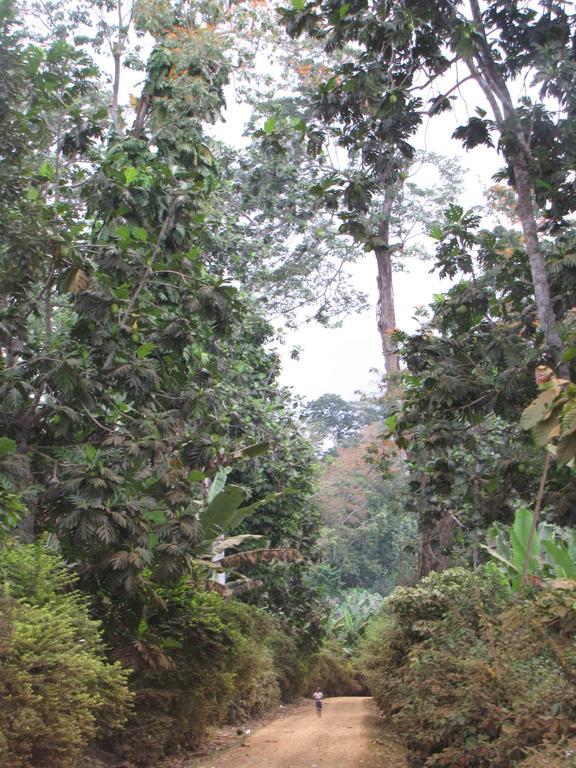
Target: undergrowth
[472, 678]
[57, 691]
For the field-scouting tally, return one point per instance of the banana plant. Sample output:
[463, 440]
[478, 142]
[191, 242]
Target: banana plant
[562, 554]
[552, 552]
[351, 614]
[222, 514]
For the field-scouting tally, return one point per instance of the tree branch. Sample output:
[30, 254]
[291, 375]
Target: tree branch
[166, 226]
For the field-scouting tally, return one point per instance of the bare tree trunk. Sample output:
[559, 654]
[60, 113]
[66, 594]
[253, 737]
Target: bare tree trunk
[486, 73]
[386, 307]
[144, 108]
[117, 48]
[525, 209]
[114, 106]
[424, 566]
[401, 579]
[435, 546]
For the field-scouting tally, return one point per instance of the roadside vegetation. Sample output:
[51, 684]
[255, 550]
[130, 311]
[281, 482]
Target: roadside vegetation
[183, 542]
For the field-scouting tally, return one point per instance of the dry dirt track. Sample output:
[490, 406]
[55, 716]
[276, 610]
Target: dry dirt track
[344, 737]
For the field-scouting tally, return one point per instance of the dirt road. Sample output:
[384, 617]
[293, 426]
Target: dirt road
[346, 736]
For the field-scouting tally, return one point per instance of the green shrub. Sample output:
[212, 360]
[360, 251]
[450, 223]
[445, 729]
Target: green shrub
[468, 678]
[220, 662]
[256, 686]
[412, 615]
[471, 593]
[292, 666]
[333, 671]
[56, 689]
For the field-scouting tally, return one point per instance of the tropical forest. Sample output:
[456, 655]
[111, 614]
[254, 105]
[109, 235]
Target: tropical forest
[287, 384]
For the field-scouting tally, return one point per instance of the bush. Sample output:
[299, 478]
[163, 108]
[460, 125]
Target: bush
[256, 685]
[333, 671]
[412, 615]
[56, 689]
[469, 679]
[292, 666]
[210, 661]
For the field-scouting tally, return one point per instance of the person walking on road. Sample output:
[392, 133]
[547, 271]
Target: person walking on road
[318, 696]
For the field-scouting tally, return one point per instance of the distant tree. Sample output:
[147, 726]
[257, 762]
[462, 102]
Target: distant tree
[345, 212]
[368, 525]
[276, 240]
[331, 421]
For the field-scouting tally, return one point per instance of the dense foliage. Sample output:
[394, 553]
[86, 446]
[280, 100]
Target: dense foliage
[187, 566]
[399, 63]
[57, 690]
[203, 661]
[471, 679]
[136, 379]
[470, 375]
[146, 367]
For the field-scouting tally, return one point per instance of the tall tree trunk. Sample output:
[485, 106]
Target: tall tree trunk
[485, 71]
[386, 307]
[525, 210]
[117, 48]
[401, 578]
[115, 105]
[142, 113]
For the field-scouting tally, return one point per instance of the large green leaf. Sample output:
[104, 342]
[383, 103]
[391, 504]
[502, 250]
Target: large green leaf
[223, 514]
[572, 544]
[218, 483]
[519, 538]
[219, 514]
[241, 514]
[496, 541]
[497, 556]
[561, 555]
[564, 565]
